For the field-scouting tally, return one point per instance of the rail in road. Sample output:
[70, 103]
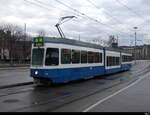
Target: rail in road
[31, 98]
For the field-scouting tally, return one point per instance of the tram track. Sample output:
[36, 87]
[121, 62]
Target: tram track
[134, 78]
[96, 92]
[68, 98]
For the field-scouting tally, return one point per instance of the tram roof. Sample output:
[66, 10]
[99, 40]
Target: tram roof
[72, 42]
[81, 43]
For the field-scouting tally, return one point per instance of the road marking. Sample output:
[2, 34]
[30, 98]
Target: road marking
[101, 101]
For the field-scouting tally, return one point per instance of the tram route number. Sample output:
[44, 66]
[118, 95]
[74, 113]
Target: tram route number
[39, 41]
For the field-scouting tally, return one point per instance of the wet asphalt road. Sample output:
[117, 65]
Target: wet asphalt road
[78, 96]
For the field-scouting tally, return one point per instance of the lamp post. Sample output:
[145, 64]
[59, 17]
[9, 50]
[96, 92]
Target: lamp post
[135, 44]
[24, 44]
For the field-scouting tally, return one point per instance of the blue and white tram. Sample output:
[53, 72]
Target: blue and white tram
[64, 60]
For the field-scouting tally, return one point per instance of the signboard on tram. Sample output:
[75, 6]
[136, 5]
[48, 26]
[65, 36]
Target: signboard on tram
[38, 42]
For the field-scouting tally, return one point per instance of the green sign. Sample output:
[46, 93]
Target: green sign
[38, 42]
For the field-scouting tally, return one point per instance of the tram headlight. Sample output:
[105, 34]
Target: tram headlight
[36, 72]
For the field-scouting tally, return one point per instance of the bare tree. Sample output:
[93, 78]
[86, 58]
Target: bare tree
[9, 35]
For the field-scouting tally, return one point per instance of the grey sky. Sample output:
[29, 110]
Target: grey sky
[117, 19]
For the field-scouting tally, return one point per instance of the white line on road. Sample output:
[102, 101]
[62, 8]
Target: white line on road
[101, 101]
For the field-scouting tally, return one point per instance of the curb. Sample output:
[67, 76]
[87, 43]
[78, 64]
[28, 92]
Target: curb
[15, 85]
[9, 68]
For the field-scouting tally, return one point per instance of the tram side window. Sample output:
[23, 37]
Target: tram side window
[100, 57]
[123, 58]
[109, 61]
[52, 57]
[90, 57]
[113, 61]
[65, 56]
[130, 58]
[83, 56]
[96, 57]
[117, 61]
[75, 56]
[126, 58]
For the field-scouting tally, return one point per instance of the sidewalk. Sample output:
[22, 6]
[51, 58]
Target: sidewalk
[15, 66]
[12, 76]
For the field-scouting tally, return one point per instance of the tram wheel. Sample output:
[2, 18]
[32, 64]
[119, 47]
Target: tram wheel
[42, 82]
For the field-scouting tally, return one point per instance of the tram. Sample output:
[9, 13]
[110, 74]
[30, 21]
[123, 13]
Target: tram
[57, 60]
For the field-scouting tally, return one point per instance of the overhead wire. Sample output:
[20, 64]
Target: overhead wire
[108, 26]
[41, 4]
[83, 14]
[137, 14]
[46, 7]
[105, 12]
[118, 21]
[134, 12]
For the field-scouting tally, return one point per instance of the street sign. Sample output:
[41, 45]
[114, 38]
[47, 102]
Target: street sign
[38, 42]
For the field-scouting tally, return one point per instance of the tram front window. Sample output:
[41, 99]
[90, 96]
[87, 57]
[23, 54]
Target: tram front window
[37, 56]
[52, 57]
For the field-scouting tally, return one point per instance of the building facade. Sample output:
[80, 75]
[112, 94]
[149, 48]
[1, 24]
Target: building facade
[20, 52]
[140, 52]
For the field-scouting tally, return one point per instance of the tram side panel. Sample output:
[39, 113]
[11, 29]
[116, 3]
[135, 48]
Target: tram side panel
[71, 72]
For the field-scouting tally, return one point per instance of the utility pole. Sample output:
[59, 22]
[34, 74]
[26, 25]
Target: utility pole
[79, 37]
[135, 44]
[24, 50]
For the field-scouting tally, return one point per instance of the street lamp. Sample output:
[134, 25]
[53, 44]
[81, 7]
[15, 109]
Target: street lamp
[135, 44]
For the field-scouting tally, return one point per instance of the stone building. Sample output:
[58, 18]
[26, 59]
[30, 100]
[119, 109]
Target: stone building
[20, 52]
[142, 52]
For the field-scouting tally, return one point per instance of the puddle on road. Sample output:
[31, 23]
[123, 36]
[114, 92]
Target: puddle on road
[99, 82]
[63, 93]
[11, 101]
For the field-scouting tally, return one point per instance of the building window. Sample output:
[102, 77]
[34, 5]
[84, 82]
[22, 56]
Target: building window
[52, 57]
[83, 56]
[75, 56]
[65, 56]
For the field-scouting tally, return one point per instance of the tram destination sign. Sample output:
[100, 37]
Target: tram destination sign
[38, 42]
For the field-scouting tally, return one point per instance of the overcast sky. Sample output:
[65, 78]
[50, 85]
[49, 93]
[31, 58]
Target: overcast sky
[109, 17]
